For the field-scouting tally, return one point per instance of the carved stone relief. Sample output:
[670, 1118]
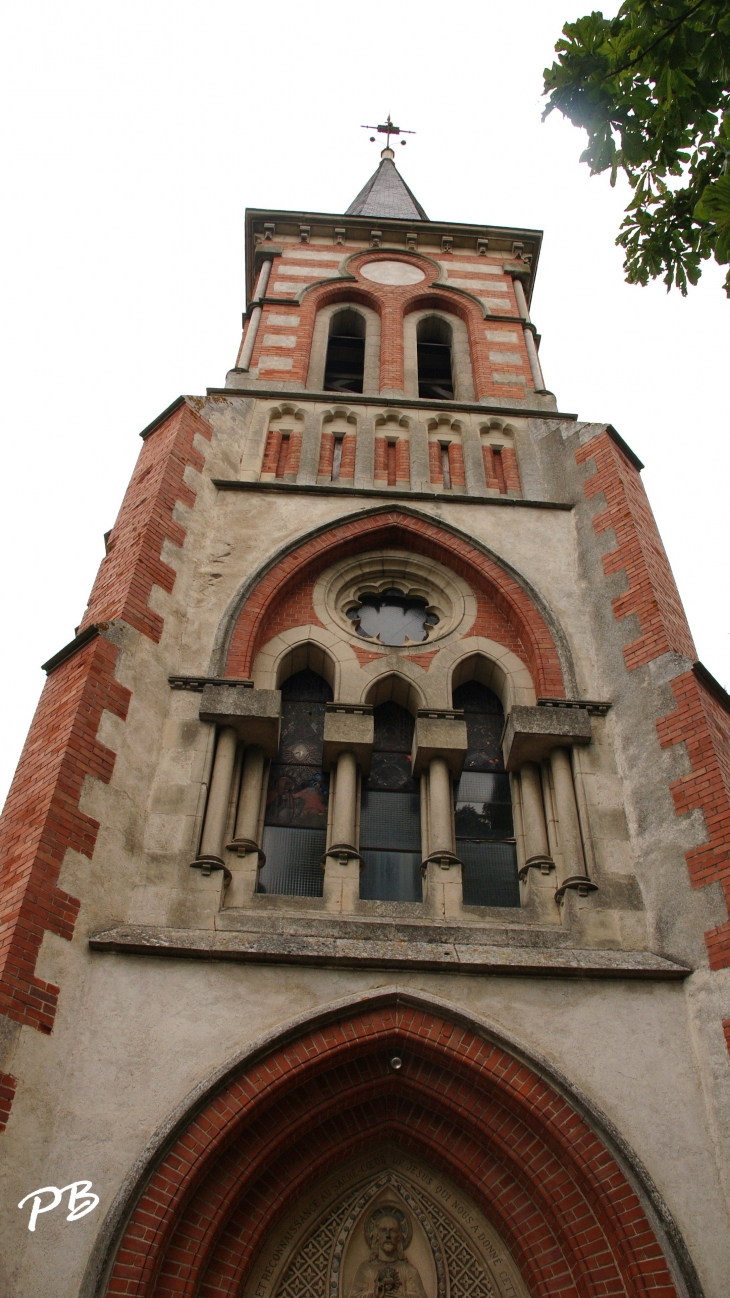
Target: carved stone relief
[385, 1226]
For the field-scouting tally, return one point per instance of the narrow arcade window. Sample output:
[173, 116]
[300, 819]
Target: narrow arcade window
[283, 456]
[295, 822]
[337, 459]
[345, 364]
[484, 832]
[435, 378]
[390, 818]
[445, 466]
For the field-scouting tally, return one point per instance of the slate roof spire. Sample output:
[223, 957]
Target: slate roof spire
[387, 194]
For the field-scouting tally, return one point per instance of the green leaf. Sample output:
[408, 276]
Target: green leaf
[714, 205]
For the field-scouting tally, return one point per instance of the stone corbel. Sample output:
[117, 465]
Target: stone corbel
[254, 714]
[348, 727]
[531, 734]
[439, 732]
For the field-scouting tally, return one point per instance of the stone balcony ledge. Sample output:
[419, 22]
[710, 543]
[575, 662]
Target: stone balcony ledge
[386, 944]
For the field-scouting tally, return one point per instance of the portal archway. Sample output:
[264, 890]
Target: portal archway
[575, 1215]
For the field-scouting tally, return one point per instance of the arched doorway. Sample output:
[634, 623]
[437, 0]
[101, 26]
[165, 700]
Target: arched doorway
[570, 1207]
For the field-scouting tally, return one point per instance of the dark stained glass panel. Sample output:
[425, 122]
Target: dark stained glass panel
[295, 822]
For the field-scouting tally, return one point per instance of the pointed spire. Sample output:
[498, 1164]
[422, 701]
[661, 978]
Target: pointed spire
[387, 194]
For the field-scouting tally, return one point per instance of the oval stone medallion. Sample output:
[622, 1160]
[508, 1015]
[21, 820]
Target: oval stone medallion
[392, 272]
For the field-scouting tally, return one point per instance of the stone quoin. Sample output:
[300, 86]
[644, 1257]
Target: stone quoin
[366, 871]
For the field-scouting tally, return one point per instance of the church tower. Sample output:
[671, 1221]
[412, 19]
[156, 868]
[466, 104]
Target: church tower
[365, 874]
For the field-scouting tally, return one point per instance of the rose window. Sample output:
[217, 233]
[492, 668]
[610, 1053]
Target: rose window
[392, 618]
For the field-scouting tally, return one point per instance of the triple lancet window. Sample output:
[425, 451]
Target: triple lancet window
[345, 365]
[483, 812]
[297, 798]
[295, 822]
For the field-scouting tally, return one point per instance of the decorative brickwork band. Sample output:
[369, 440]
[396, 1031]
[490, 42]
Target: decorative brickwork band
[564, 1206]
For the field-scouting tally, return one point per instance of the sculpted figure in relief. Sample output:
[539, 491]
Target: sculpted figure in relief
[387, 1272]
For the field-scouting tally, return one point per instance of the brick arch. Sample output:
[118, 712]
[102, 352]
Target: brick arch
[393, 303]
[577, 1219]
[509, 611]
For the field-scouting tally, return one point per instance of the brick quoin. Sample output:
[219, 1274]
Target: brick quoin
[528, 634]
[700, 721]
[7, 1093]
[652, 594]
[133, 564]
[703, 724]
[573, 1222]
[42, 820]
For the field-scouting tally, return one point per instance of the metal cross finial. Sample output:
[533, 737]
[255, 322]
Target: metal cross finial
[388, 129]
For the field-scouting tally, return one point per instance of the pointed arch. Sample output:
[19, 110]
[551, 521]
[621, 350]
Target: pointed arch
[298, 563]
[572, 1202]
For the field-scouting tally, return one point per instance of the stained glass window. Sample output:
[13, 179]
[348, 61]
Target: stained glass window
[392, 618]
[295, 823]
[483, 814]
[390, 817]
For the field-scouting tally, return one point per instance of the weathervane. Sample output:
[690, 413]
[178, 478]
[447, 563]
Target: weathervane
[388, 129]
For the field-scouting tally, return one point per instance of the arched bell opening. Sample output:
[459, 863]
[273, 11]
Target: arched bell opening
[345, 364]
[435, 373]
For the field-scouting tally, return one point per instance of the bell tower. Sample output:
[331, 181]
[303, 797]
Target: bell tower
[365, 872]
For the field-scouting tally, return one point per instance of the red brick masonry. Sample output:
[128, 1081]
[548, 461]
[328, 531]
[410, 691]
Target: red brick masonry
[574, 1224]
[283, 597]
[42, 819]
[701, 720]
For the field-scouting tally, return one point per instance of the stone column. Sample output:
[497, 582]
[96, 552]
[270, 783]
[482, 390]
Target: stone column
[538, 873]
[538, 381]
[439, 829]
[573, 870]
[342, 862]
[343, 818]
[216, 812]
[245, 842]
[443, 892]
[536, 842]
[249, 341]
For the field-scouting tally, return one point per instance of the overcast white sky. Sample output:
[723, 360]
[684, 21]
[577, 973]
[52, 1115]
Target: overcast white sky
[136, 134]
